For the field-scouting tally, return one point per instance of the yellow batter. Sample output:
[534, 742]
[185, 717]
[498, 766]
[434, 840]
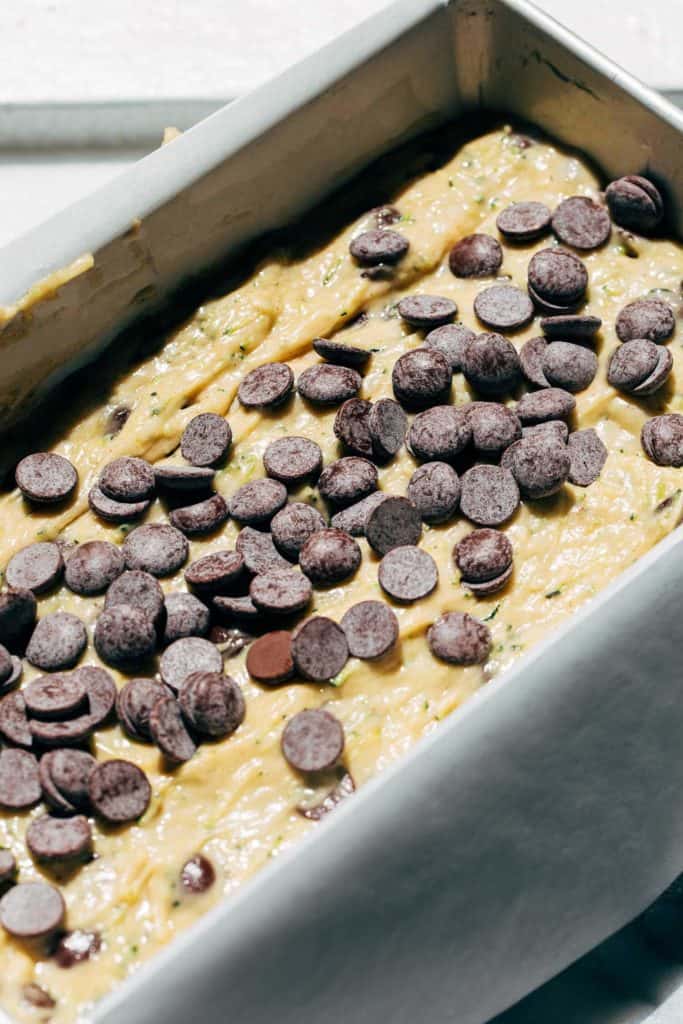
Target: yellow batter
[235, 800]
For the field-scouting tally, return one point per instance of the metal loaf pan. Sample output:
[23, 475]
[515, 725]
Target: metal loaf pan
[545, 813]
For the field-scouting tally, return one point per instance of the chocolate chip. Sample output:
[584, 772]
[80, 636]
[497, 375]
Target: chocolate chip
[569, 366]
[93, 567]
[269, 658]
[632, 363]
[46, 478]
[155, 548]
[16, 672]
[329, 556]
[191, 654]
[540, 406]
[281, 593]
[212, 703]
[353, 519]
[197, 874]
[101, 699]
[476, 256]
[19, 780]
[183, 478]
[116, 420]
[588, 455]
[293, 460]
[552, 309]
[32, 910]
[14, 724]
[379, 245]
[421, 378]
[119, 791]
[407, 574]
[635, 203]
[434, 490]
[388, 425]
[168, 730]
[127, 479]
[64, 777]
[394, 523]
[36, 567]
[140, 590]
[328, 384]
[440, 433]
[124, 635]
[352, 426]
[293, 525]
[185, 616]
[451, 340]
[503, 307]
[494, 427]
[57, 642]
[313, 741]
[662, 440]
[652, 319]
[531, 356]
[5, 665]
[558, 277]
[8, 867]
[76, 947]
[551, 430]
[571, 327]
[17, 617]
[523, 222]
[61, 695]
[59, 839]
[659, 375]
[483, 556]
[342, 354]
[347, 480]
[267, 386]
[314, 812]
[134, 703]
[540, 467]
[459, 639]
[489, 495]
[319, 649]
[371, 629]
[202, 517]
[258, 551]
[115, 511]
[257, 502]
[427, 311]
[206, 439]
[581, 223]
[217, 571]
[491, 364]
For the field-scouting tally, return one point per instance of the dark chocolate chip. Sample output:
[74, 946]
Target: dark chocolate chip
[588, 455]
[76, 947]
[427, 311]
[61, 695]
[18, 608]
[347, 480]
[451, 340]
[14, 724]
[540, 466]
[531, 356]
[281, 593]
[555, 430]
[557, 276]
[407, 574]
[116, 420]
[256, 503]
[483, 555]
[115, 511]
[191, 654]
[421, 378]
[353, 519]
[581, 223]
[65, 774]
[6, 666]
[168, 730]
[328, 384]
[341, 354]
[214, 572]
[258, 551]
[19, 780]
[269, 658]
[476, 256]
[440, 433]
[93, 567]
[569, 366]
[124, 635]
[491, 364]
[459, 639]
[313, 741]
[206, 439]
[293, 460]
[46, 478]
[127, 479]
[59, 839]
[140, 590]
[652, 319]
[32, 910]
[379, 245]
[571, 327]
[202, 517]
[314, 812]
[552, 309]
[394, 523]
[267, 386]
[489, 495]
[504, 308]
[632, 363]
[197, 874]
[371, 629]
[352, 426]
[57, 642]
[659, 375]
[16, 672]
[119, 791]
[434, 490]
[293, 525]
[101, 700]
[494, 427]
[156, 548]
[212, 703]
[635, 203]
[388, 425]
[523, 222]
[329, 556]
[186, 615]
[36, 567]
[319, 649]
[183, 478]
[540, 406]
[662, 439]
[134, 704]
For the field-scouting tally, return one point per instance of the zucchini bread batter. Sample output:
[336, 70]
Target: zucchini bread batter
[476, 385]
